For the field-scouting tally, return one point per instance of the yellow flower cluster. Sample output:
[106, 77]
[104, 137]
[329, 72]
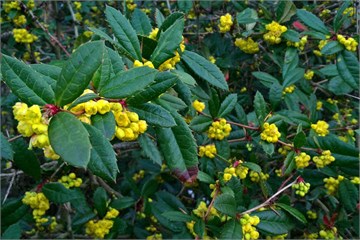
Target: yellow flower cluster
[273, 36]
[256, 177]
[198, 106]
[300, 45]
[30, 4]
[279, 172]
[170, 63]
[350, 10]
[156, 236]
[311, 215]
[284, 150]
[350, 43]
[311, 235]
[289, 89]
[321, 128]
[302, 160]
[325, 13]
[277, 237]
[139, 175]
[77, 5]
[149, 64]
[323, 160]
[331, 184]
[229, 172]
[190, 226]
[332, 101]
[247, 45]
[201, 210]
[100, 228]
[39, 203]
[241, 171]
[27, 56]
[270, 133]
[225, 23]
[128, 125]
[212, 59]
[11, 5]
[322, 43]
[248, 224]
[208, 151]
[131, 5]
[88, 34]
[301, 188]
[309, 74]
[355, 180]
[19, 20]
[21, 35]
[32, 124]
[154, 33]
[219, 129]
[78, 17]
[329, 233]
[319, 105]
[70, 181]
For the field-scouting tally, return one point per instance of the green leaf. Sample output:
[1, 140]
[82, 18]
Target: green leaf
[150, 149]
[285, 10]
[141, 22]
[275, 94]
[78, 71]
[25, 82]
[177, 216]
[214, 103]
[159, 17]
[274, 223]
[339, 18]
[204, 69]
[334, 144]
[82, 99]
[312, 21]
[204, 177]
[289, 163]
[252, 166]
[122, 203]
[58, 193]
[299, 140]
[349, 195]
[168, 42]
[185, 5]
[69, 138]
[293, 76]
[100, 201]
[232, 230]
[291, 35]
[199, 227]
[12, 211]
[163, 81]
[260, 107]
[175, 102]
[267, 147]
[169, 21]
[12, 232]
[49, 73]
[265, 78]
[293, 212]
[179, 150]
[332, 47]
[154, 115]
[338, 86]
[200, 123]
[124, 32]
[227, 105]
[105, 123]
[346, 71]
[291, 61]
[103, 161]
[6, 151]
[25, 159]
[246, 16]
[184, 77]
[128, 82]
[226, 204]
[223, 149]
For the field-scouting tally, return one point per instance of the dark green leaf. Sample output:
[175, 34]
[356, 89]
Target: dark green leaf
[226, 204]
[205, 178]
[291, 35]
[227, 105]
[199, 227]
[252, 166]
[100, 201]
[267, 147]
[179, 150]
[246, 16]
[285, 10]
[346, 71]
[105, 123]
[12, 232]
[223, 149]
[169, 21]
[159, 18]
[265, 78]
[12, 211]
[232, 230]
[49, 73]
[149, 187]
[275, 94]
[204, 69]
[177, 216]
[103, 161]
[6, 151]
[349, 195]
[291, 61]
[312, 21]
[299, 140]
[69, 138]
[332, 47]
[124, 32]
[128, 82]
[293, 76]
[338, 86]
[293, 211]
[329, 70]
[289, 163]
[150, 149]
[25, 159]
[25, 82]
[141, 22]
[274, 223]
[260, 107]
[168, 42]
[154, 115]
[339, 17]
[78, 71]
[82, 99]
[122, 203]
[184, 77]
[185, 5]
[200, 123]
[58, 193]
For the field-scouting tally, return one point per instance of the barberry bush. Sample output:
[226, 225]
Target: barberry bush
[180, 119]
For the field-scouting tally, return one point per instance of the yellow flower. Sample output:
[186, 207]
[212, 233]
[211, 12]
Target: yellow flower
[154, 33]
[102, 106]
[219, 129]
[225, 23]
[309, 74]
[323, 160]
[321, 128]
[302, 160]
[247, 45]
[270, 133]
[273, 36]
[19, 20]
[198, 106]
[208, 151]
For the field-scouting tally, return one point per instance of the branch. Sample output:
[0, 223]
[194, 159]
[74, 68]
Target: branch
[10, 186]
[108, 188]
[73, 18]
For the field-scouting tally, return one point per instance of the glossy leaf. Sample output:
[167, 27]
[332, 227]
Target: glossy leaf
[260, 107]
[184, 77]
[154, 115]
[105, 123]
[226, 204]
[6, 149]
[285, 10]
[177, 216]
[25, 159]
[141, 22]
[205, 178]
[346, 71]
[174, 102]
[349, 195]
[275, 223]
[332, 47]
[122, 203]
[150, 149]
[200, 123]
[50, 73]
[12, 232]
[232, 230]
[312, 21]
[58, 193]
[227, 105]
[100, 201]
[293, 212]
[82, 99]
[265, 78]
